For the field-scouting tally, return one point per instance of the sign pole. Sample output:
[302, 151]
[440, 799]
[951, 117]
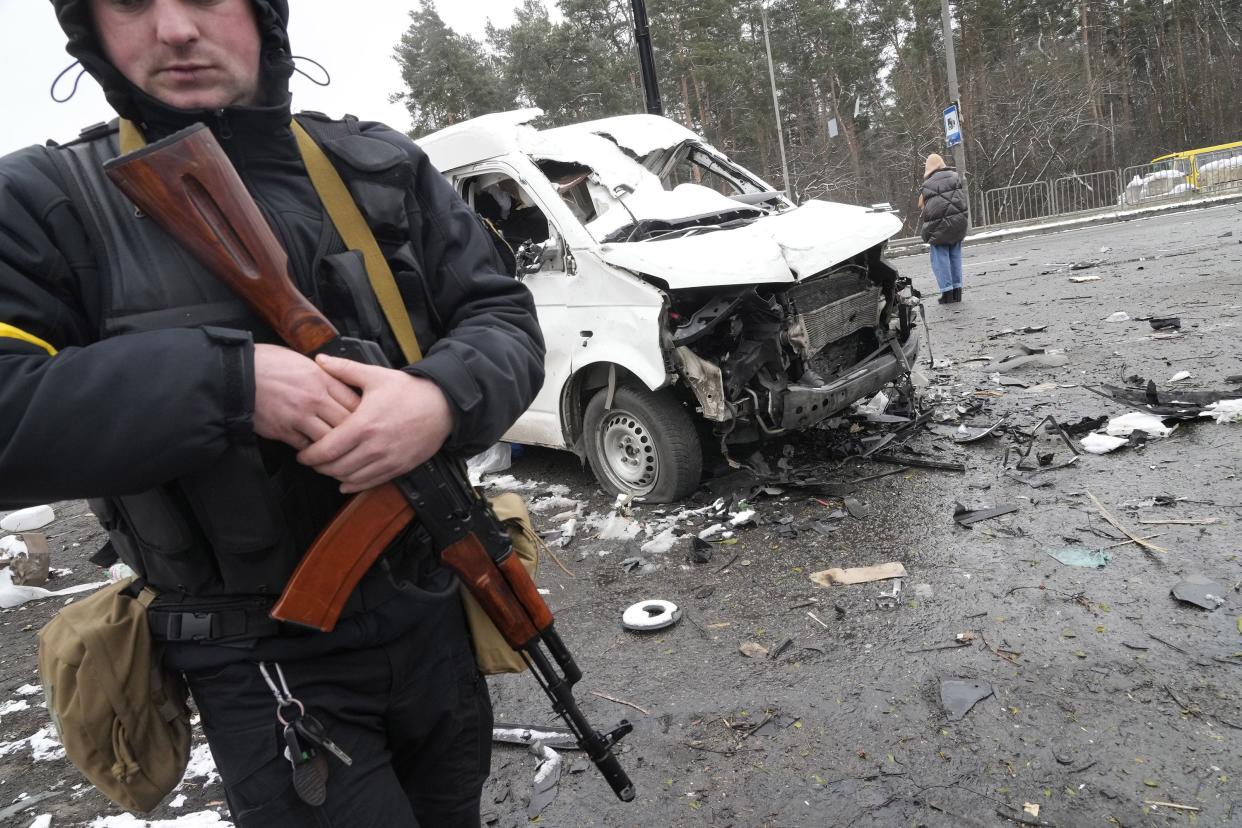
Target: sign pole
[950, 57]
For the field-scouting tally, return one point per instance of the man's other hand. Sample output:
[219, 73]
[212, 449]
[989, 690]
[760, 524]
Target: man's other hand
[402, 421]
[296, 401]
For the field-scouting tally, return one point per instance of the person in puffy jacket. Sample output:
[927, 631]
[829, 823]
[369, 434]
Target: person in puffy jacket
[945, 221]
[213, 455]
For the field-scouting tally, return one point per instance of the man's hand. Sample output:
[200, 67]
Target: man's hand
[296, 401]
[402, 421]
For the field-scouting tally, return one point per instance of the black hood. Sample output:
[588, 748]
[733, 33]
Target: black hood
[275, 63]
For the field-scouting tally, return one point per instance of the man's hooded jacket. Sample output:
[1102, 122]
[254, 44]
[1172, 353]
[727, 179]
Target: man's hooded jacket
[126, 371]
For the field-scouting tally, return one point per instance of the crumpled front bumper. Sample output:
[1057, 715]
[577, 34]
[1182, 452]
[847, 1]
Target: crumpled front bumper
[805, 405]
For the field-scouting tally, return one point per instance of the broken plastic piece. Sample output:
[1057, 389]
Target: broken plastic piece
[1201, 592]
[1161, 323]
[1078, 556]
[1127, 424]
[516, 734]
[28, 520]
[1102, 443]
[859, 575]
[1225, 411]
[547, 776]
[966, 517]
[646, 616]
[958, 697]
[1119, 316]
[890, 599]
[966, 434]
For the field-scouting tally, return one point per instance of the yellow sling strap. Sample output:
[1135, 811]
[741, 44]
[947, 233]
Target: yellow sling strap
[349, 222]
[358, 236]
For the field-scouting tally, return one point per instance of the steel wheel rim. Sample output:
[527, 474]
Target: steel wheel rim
[629, 452]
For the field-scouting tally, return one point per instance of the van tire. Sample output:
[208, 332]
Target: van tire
[645, 445]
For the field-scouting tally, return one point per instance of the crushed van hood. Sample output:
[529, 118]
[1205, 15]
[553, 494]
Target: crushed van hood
[773, 249]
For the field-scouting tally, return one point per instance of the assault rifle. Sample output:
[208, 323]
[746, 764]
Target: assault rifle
[187, 185]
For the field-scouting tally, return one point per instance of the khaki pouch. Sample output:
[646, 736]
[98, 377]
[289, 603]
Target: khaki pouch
[121, 717]
[492, 653]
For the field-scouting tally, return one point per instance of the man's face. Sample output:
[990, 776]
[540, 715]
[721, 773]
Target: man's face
[190, 54]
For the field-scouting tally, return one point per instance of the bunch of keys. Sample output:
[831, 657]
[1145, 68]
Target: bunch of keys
[305, 737]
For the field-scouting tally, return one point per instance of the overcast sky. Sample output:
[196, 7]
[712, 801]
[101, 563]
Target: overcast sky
[354, 39]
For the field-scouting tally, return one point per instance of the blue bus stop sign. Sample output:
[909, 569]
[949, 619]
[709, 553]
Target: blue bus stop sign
[952, 125]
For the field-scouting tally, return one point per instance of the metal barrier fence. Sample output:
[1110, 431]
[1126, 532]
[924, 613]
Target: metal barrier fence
[1019, 202]
[1208, 174]
[1218, 172]
[1153, 182]
[1089, 191]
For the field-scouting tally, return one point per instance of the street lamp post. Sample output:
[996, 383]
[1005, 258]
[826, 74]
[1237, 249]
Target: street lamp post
[776, 107]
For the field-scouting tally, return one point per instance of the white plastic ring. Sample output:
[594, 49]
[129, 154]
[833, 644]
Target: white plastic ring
[651, 615]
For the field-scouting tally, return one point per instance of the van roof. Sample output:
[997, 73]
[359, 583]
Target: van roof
[501, 133]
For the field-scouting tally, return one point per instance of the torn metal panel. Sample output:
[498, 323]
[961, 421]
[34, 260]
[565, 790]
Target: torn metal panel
[705, 380]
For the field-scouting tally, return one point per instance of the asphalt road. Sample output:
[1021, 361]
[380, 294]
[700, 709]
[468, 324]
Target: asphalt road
[1107, 694]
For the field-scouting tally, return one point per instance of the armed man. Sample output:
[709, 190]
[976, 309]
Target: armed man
[213, 455]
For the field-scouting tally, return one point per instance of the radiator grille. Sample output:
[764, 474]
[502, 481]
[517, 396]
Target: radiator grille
[833, 307]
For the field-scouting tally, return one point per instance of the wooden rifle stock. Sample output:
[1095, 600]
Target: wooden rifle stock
[188, 186]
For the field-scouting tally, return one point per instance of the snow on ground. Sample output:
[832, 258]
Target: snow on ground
[13, 706]
[199, 819]
[42, 744]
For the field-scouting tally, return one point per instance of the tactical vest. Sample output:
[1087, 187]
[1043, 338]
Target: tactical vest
[231, 535]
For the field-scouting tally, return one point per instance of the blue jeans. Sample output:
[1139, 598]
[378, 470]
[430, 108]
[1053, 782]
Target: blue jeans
[946, 262]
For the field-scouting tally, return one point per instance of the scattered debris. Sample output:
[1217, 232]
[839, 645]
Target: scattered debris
[1163, 323]
[966, 517]
[958, 696]
[1183, 404]
[1102, 443]
[856, 508]
[12, 595]
[1086, 264]
[1174, 805]
[1119, 316]
[1024, 356]
[1180, 376]
[29, 565]
[1078, 556]
[1200, 591]
[1081, 279]
[514, 734]
[1225, 411]
[890, 599]
[28, 520]
[1030, 808]
[918, 462]
[966, 434]
[619, 701]
[1116, 524]
[1127, 424]
[547, 776]
[859, 575]
[646, 616]
[752, 649]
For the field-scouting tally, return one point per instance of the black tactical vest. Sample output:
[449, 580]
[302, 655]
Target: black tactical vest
[234, 531]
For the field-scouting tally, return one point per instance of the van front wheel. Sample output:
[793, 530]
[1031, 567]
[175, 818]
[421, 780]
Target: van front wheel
[645, 445]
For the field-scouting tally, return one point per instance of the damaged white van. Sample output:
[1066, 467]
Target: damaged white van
[686, 304]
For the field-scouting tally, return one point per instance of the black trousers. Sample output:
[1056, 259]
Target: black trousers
[413, 715]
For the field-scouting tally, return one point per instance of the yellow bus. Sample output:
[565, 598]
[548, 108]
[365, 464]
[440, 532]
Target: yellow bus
[1189, 161]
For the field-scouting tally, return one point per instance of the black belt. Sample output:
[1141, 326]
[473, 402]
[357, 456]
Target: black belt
[219, 625]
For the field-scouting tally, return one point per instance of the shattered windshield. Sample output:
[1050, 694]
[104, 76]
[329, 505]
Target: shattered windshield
[692, 165]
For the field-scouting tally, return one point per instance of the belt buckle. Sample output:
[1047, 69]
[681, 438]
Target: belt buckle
[196, 626]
